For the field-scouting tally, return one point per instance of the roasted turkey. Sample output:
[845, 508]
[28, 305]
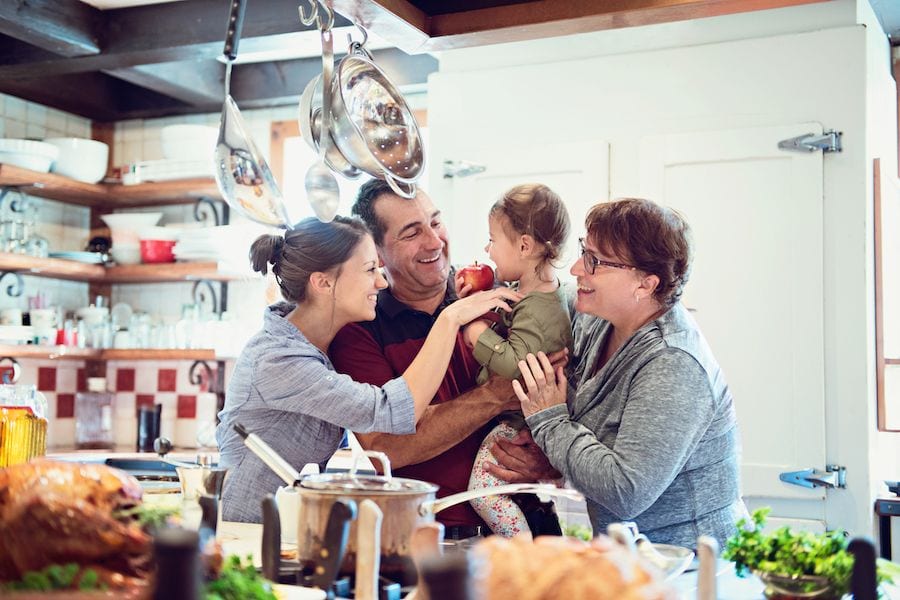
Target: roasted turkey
[58, 512]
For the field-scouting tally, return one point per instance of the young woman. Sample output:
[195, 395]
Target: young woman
[285, 389]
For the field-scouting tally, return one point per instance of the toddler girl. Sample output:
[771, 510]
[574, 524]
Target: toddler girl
[528, 228]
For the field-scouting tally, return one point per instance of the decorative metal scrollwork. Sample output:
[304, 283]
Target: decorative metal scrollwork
[204, 295]
[205, 210]
[18, 202]
[10, 376]
[199, 372]
[15, 289]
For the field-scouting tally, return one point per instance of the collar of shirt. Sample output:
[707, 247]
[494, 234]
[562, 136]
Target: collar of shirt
[392, 307]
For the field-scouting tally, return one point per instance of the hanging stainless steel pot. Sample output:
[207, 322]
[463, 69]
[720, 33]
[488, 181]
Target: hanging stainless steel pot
[310, 123]
[372, 125]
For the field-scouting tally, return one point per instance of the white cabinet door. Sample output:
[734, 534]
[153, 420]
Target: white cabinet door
[578, 172]
[757, 290]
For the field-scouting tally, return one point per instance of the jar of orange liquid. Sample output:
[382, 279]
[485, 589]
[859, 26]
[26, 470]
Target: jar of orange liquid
[23, 424]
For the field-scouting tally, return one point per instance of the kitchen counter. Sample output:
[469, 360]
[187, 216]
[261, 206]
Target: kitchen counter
[127, 453]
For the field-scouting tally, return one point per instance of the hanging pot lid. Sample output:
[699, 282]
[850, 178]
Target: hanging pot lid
[370, 484]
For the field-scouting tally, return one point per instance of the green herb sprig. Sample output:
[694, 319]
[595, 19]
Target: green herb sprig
[148, 516]
[575, 530]
[239, 581]
[57, 577]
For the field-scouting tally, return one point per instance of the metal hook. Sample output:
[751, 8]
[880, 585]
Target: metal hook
[315, 17]
[361, 44]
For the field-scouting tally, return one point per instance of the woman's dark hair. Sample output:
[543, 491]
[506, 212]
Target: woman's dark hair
[536, 210]
[653, 238]
[311, 246]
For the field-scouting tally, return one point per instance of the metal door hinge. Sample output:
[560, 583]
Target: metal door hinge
[830, 141]
[834, 476]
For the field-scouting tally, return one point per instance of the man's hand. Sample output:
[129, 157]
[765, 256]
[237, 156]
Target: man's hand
[520, 460]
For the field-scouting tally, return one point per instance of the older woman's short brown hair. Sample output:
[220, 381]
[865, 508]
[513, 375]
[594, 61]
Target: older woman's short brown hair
[641, 233]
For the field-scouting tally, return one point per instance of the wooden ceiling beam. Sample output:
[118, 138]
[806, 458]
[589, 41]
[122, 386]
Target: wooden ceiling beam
[415, 31]
[170, 32]
[261, 84]
[64, 27]
[198, 83]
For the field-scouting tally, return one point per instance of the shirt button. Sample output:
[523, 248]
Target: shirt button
[329, 378]
[496, 346]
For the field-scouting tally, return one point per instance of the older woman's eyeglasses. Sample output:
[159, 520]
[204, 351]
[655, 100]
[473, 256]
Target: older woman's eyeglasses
[591, 262]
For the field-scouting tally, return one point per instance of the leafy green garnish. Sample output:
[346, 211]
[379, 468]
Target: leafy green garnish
[57, 577]
[793, 553]
[581, 532]
[239, 581]
[147, 516]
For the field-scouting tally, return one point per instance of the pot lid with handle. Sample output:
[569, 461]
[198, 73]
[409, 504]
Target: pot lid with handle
[371, 484]
[353, 481]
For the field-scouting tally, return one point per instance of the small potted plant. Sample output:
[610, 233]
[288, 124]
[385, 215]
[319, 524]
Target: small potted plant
[796, 564]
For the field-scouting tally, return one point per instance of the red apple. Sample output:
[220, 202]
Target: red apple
[479, 276]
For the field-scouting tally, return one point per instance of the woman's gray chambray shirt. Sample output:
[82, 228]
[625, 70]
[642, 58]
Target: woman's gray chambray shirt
[286, 391]
[652, 436]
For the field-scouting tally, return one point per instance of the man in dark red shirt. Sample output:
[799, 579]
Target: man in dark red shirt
[413, 248]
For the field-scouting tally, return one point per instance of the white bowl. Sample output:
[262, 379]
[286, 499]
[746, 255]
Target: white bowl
[126, 255]
[189, 142]
[28, 154]
[81, 159]
[124, 227]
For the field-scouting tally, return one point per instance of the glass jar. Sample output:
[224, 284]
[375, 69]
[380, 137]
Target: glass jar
[93, 416]
[23, 424]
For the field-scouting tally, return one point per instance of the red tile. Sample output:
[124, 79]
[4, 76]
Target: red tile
[81, 381]
[65, 406]
[166, 380]
[144, 400]
[47, 379]
[187, 407]
[125, 380]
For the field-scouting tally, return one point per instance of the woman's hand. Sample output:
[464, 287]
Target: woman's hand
[471, 307]
[545, 385]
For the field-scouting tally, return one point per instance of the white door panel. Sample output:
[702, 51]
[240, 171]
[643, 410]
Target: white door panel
[757, 287]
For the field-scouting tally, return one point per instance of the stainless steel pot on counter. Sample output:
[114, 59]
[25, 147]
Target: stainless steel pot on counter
[405, 503]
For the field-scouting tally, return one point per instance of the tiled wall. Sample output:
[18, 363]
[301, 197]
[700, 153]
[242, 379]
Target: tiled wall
[187, 409]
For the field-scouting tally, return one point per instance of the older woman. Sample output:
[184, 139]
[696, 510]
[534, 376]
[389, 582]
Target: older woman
[649, 432]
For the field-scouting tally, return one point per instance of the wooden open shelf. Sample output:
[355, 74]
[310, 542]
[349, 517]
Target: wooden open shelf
[58, 268]
[71, 353]
[107, 195]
